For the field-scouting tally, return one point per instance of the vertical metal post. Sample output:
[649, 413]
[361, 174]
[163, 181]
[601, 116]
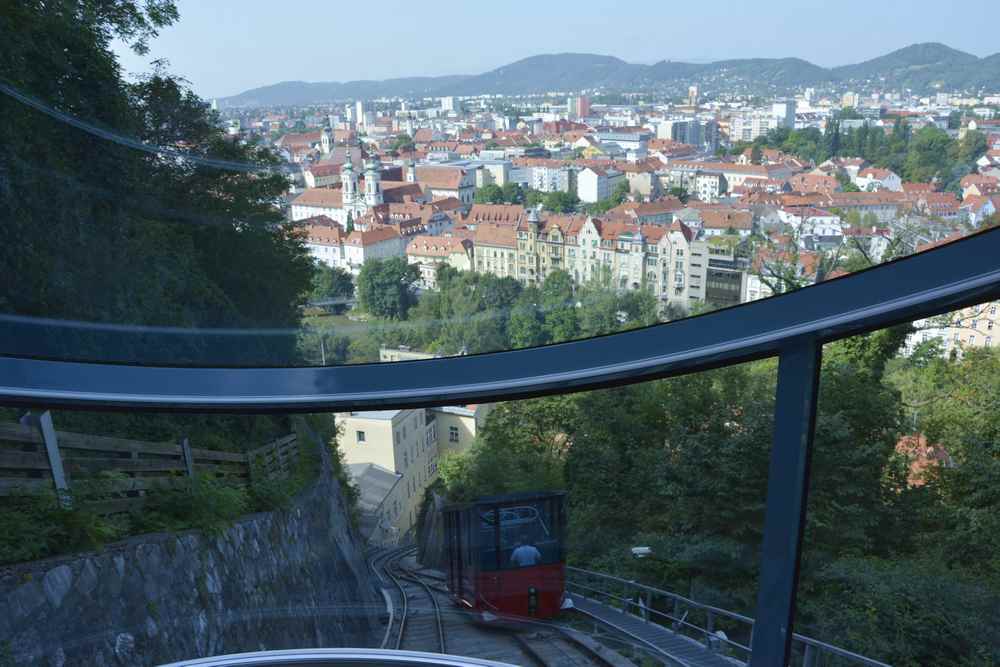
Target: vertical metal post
[43, 423]
[188, 457]
[787, 489]
[810, 658]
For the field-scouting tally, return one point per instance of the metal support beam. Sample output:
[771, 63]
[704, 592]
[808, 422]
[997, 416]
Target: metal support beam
[787, 490]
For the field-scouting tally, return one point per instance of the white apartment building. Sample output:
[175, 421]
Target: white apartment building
[378, 243]
[594, 184]
[872, 179]
[324, 239]
[552, 179]
[749, 125]
[431, 252]
[809, 221]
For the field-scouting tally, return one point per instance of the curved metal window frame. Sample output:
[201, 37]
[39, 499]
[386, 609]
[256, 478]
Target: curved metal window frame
[351, 657]
[792, 326]
[959, 274]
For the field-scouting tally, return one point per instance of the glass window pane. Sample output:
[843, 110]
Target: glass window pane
[902, 503]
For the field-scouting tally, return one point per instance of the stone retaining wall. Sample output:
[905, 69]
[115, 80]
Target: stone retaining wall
[278, 580]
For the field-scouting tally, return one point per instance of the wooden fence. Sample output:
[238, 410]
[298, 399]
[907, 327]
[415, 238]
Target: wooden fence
[35, 457]
[275, 459]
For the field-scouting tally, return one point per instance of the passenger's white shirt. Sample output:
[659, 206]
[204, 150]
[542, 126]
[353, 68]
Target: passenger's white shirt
[525, 556]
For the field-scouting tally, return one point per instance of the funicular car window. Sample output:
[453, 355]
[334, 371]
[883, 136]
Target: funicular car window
[531, 523]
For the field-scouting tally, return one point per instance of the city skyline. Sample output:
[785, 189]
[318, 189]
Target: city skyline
[217, 46]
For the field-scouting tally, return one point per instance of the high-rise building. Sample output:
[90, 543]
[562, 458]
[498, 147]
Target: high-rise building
[447, 104]
[784, 113]
[750, 124]
[359, 113]
[578, 107]
[700, 132]
[851, 100]
[693, 96]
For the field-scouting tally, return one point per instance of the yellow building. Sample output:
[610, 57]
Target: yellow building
[403, 442]
[393, 455]
[457, 427]
[976, 326]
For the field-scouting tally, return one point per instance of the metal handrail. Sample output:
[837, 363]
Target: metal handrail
[660, 591]
[821, 646]
[709, 635]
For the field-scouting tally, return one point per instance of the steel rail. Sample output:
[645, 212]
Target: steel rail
[956, 275]
[439, 621]
[389, 563]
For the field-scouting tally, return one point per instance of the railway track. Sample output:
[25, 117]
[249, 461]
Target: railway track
[423, 617]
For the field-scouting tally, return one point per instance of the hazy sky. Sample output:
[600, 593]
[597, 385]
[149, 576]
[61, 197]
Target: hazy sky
[227, 46]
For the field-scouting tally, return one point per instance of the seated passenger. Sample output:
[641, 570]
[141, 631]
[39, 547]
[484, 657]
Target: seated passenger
[525, 554]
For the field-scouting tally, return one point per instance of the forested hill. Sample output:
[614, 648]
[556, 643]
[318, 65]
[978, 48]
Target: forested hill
[920, 67]
[927, 66]
[292, 93]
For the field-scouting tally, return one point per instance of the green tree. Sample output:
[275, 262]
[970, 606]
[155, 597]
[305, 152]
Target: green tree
[170, 218]
[385, 287]
[679, 193]
[927, 155]
[513, 193]
[331, 283]
[402, 143]
[533, 198]
[350, 222]
[521, 448]
[561, 202]
[489, 194]
[559, 308]
[756, 154]
[526, 322]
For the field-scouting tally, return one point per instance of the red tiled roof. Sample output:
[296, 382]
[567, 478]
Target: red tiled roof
[320, 197]
[324, 169]
[372, 237]
[489, 234]
[509, 214]
[814, 183]
[322, 230]
[440, 178]
[437, 246]
[726, 219]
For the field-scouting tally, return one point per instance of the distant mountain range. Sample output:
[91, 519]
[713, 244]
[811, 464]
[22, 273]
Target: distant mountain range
[921, 67]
